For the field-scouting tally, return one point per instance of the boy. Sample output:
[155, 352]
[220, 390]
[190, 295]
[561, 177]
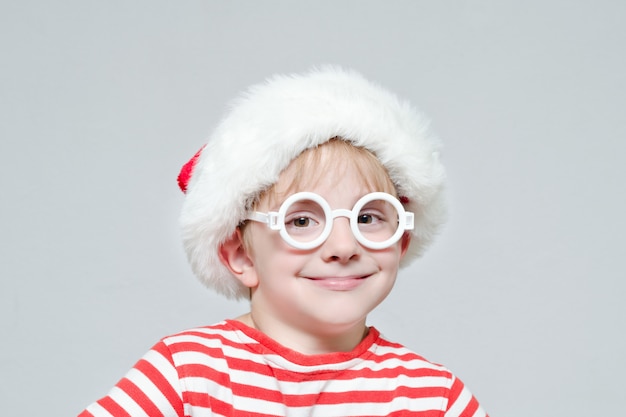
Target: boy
[307, 199]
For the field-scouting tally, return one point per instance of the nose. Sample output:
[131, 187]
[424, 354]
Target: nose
[341, 245]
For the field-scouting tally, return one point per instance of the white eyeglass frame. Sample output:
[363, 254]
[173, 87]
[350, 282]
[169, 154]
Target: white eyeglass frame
[275, 220]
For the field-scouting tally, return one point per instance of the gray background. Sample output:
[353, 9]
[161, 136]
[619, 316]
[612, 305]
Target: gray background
[102, 101]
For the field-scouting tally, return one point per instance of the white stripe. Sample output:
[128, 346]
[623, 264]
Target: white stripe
[196, 411]
[165, 367]
[336, 385]
[356, 364]
[461, 402]
[209, 387]
[151, 391]
[480, 412]
[192, 338]
[98, 411]
[398, 363]
[246, 404]
[235, 336]
[198, 358]
[282, 363]
[258, 405]
[382, 409]
[126, 402]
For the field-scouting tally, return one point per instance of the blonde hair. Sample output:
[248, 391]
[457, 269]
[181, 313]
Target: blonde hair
[337, 153]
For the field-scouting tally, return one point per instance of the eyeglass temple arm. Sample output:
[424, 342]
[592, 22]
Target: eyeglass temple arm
[409, 220]
[270, 219]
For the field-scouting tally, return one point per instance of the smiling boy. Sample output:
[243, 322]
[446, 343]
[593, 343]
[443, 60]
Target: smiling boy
[316, 300]
[307, 199]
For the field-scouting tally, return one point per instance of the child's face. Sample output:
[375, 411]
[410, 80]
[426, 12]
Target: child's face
[326, 289]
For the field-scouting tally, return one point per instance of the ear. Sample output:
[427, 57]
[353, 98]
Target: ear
[404, 244]
[235, 257]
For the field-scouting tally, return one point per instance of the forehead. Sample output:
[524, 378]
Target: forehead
[330, 162]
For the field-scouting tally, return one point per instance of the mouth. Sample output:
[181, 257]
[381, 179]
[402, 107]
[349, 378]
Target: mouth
[339, 283]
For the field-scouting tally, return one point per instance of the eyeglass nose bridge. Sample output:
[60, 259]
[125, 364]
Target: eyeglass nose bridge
[340, 213]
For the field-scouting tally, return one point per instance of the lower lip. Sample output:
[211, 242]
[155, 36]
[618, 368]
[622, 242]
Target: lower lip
[338, 284]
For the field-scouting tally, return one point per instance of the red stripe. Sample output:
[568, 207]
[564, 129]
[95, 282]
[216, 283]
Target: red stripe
[226, 409]
[405, 413]
[113, 407]
[198, 399]
[405, 356]
[455, 391]
[330, 398]
[206, 372]
[140, 397]
[197, 347]
[164, 385]
[471, 408]
[249, 366]
[349, 375]
[157, 378]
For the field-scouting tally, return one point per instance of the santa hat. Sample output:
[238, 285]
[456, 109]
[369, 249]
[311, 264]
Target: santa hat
[274, 122]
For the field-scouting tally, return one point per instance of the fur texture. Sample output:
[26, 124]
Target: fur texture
[271, 124]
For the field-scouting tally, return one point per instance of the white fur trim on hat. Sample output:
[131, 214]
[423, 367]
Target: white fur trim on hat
[271, 124]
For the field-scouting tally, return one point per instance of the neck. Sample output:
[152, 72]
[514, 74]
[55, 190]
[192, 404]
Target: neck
[309, 341]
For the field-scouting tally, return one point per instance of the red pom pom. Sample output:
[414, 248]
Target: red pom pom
[187, 170]
[404, 199]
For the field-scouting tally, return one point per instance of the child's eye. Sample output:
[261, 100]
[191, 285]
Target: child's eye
[301, 222]
[366, 218]
[370, 218]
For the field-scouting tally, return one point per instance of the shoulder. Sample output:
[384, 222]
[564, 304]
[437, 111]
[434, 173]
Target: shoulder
[386, 348]
[419, 372]
[406, 361]
[222, 335]
[204, 352]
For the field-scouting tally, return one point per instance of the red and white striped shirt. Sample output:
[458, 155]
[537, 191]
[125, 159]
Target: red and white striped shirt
[230, 369]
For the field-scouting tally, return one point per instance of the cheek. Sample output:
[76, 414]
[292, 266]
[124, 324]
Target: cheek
[260, 240]
[391, 256]
[389, 261]
[269, 253]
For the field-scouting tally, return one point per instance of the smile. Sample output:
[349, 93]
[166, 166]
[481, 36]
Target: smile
[346, 283]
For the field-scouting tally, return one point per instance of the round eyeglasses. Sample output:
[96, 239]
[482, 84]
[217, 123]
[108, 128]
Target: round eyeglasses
[305, 220]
